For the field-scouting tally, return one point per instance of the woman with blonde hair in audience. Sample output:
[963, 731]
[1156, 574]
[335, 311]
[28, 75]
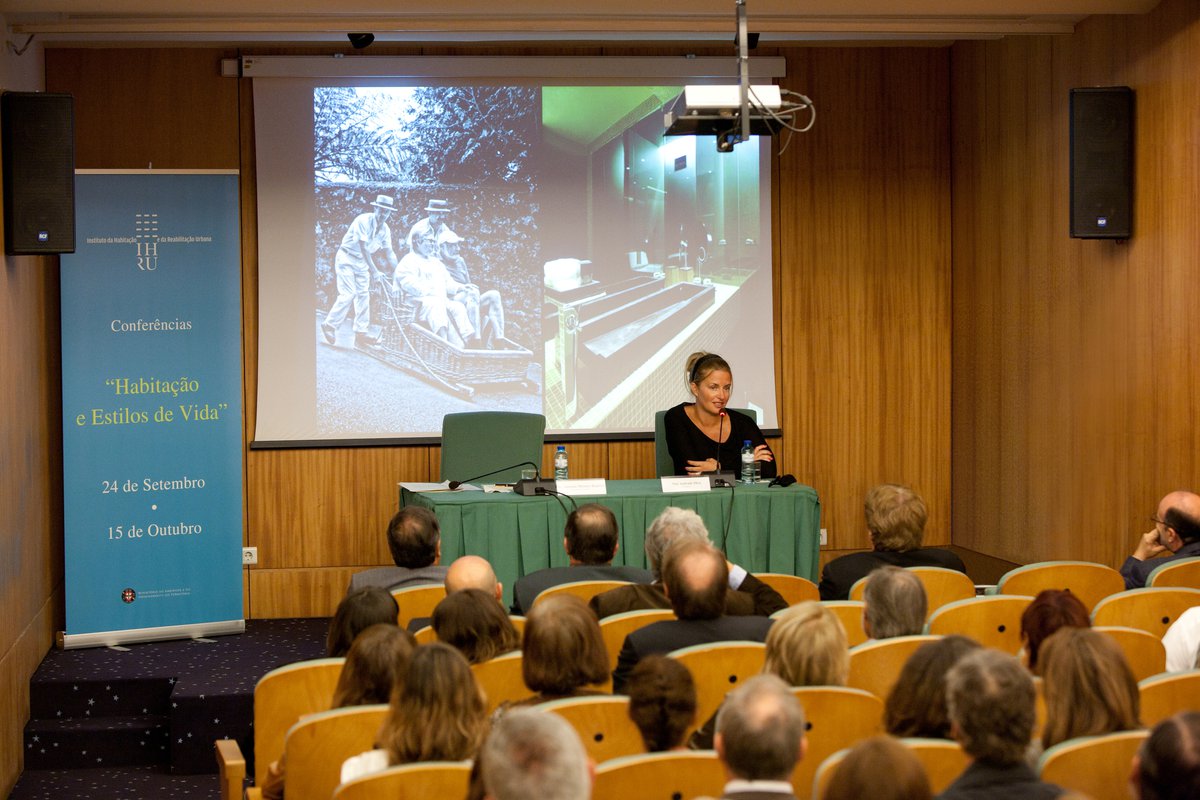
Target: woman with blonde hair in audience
[1050, 610]
[806, 646]
[879, 768]
[437, 713]
[662, 702]
[359, 610]
[472, 621]
[916, 706]
[1088, 685]
[563, 653]
[376, 661]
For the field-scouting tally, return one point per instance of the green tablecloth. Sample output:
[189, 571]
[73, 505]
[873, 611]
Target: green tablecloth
[772, 529]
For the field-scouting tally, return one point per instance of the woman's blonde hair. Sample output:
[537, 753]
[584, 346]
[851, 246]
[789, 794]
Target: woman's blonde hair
[700, 364]
[1088, 684]
[806, 646]
[437, 711]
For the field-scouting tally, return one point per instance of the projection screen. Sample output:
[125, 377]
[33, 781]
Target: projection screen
[439, 244]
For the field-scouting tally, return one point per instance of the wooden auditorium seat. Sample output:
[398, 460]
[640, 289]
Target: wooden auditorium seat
[992, 621]
[1150, 609]
[717, 669]
[317, 745]
[942, 586]
[501, 680]
[281, 697]
[1097, 766]
[875, 665]
[417, 601]
[660, 776]
[1167, 694]
[836, 717]
[850, 612]
[1088, 581]
[584, 590]
[1181, 572]
[614, 629]
[422, 781]
[792, 588]
[1143, 651]
[603, 725]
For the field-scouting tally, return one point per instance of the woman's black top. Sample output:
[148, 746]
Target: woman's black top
[686, 442]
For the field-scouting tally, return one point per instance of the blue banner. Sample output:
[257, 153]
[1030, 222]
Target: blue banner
[152, 408]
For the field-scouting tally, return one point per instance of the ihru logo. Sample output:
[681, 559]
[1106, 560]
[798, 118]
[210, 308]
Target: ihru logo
[146, 235]
[128, 595]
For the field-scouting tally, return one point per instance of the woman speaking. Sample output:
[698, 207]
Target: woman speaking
[705, 436]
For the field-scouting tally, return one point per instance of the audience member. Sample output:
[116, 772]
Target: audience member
[662, 702]
[1088, 685]
[750, 596]
[1176, 534]
[474, 623]
[760, 739]
[415, 541]
[376, 660]
[879, 768]
[437, 713]
[359, 610]
[894, 603]
[591, 541]
[896, 518]
[563, 653]
[1182, 641]
[806, 646]
[532, 754]
[1050, 610]
[916, 706]
[695, 578]
[1167, 766]
[466, 572]
[991, 701]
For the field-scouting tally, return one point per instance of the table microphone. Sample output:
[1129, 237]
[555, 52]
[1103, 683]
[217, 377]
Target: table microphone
[456, 484]
[718, 477]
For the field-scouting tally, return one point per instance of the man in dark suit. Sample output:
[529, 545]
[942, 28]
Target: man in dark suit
[990, 698]
[590, 539]
[896, 518]
[760, 740]
[749, 595]
[1176, 534]
[696, 580]
[415, 541]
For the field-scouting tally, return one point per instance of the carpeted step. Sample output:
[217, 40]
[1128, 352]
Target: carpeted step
[100, 697]
[79, 743]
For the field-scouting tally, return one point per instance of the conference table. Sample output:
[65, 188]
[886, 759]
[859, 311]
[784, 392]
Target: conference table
[762, 528]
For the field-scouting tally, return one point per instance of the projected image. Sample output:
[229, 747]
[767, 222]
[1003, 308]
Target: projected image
[426, 229]
[525, 247]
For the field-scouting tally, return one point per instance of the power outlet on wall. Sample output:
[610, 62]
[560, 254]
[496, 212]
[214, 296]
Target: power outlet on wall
[249, 556]
[824, 537]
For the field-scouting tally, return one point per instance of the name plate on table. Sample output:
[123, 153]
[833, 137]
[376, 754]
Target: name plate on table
[582, 486]
[685, 483]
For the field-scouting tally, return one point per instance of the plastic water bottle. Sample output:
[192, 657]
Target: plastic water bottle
[560, 463]
[747, 462]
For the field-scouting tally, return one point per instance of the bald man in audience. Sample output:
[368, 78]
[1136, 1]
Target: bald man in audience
[749, 595]
[533, 754]
[467, 572]
[760, 740]
[696, 581]
[591, 541]
[1176, 535]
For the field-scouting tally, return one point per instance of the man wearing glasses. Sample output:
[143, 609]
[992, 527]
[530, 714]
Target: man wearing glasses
[1176, 534]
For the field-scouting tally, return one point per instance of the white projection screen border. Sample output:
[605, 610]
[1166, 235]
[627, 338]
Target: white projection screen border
[435, 244]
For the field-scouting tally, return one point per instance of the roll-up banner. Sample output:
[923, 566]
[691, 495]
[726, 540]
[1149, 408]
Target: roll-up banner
[152, 408]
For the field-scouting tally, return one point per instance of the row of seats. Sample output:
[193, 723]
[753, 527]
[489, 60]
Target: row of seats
[837, 716]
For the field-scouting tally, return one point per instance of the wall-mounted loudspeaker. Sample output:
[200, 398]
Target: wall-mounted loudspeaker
[37, 133]
[1102, 163]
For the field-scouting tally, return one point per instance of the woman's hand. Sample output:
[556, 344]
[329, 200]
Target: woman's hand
[707, 465]
[763, 453]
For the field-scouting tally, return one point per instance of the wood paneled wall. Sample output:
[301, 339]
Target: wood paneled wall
[862, 317]
[1075, 362]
